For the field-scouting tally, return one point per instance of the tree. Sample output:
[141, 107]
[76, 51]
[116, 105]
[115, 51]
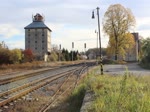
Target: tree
[3, 45]
[28, 55]
[65, 55]
[55, 48]
[4, 53]
[53, 56]
[74, 55]
[4, 56]
[16, 55]
[125, 44]
[117, 22]
[145, 51]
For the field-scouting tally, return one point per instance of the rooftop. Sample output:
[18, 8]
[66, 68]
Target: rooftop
[37, 23]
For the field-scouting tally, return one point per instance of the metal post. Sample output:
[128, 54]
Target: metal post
[101, 66]
[96, 45]
[72, 49]
[85, 47]
[85, 52]
[59, 51]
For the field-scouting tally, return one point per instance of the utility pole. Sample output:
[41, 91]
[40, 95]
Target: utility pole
[100, 50]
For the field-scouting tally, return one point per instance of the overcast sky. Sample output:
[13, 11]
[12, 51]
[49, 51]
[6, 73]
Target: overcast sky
[69, 20]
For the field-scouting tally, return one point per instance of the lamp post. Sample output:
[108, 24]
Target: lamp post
[96, 44]
[96, 39]
[100, 50]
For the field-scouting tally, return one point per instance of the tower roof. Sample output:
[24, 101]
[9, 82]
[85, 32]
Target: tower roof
[37, 23]
[37, 17]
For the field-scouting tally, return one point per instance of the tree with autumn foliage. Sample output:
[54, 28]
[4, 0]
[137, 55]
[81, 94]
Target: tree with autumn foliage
[117, 23]
[4, 56]
[145, 53]
[125, 45]
[4, 53]
[16, 56]
[28, 55]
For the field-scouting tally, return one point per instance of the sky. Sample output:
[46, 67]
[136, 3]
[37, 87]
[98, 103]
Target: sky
[69, 20]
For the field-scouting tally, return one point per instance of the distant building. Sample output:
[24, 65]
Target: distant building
[38, 37]
[133, 55]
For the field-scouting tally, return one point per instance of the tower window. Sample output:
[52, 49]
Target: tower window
[43, 41]
[35, 48]
[35, 41]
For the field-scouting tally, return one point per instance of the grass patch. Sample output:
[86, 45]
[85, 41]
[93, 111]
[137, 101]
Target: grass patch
[115, 93]
[127, 93]
[75, 100]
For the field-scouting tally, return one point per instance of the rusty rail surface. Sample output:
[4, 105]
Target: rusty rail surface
[54, 98]
[23, 90]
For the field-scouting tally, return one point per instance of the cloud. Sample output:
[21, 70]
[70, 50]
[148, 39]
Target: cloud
[143, 26]
[144, 33]
[8, 30]
[79, 36]
[16, 44]
[143, 23]
[69, 20]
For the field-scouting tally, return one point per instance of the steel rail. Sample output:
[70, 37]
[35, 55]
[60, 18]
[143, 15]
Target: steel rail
[15, 78]
[48, 105]
[27, 85]
[43, 109]
[34, 87]
[19, 77]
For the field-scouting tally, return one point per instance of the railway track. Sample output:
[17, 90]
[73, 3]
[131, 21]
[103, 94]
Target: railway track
[30, 74]
[13, 94]
[26, 75]
[62, 89]
[30, 78]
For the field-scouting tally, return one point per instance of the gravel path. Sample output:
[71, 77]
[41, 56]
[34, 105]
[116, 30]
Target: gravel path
[132, 68]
